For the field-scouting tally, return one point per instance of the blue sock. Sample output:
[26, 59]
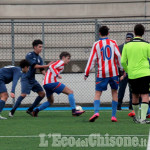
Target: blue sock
[43, 106]
[72, 101]
[18, 102]
[2, 105]
[114, 108]
[36, 102]
[148, 112]
[96, 106]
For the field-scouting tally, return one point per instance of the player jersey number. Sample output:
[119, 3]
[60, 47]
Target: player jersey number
[105, 50]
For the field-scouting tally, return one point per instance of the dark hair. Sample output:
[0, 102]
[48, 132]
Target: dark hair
[104, 30]
[139, 29]
[36, 42]
[65, 54]
[24, 63]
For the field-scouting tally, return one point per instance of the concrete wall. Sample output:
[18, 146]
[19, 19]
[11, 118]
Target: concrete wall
[74, 8]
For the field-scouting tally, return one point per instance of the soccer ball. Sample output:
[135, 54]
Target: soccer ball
[79, 108]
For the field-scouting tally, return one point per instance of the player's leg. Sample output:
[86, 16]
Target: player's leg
[17, 104]
[144, 105]
[114, 82]
[130, 96]
[71, 98]
[136, 106]
[36, 87]
[121, 91]
[114, 104]
[25, 89]
[44, 105]
[3, 99]
[96, 106]
[101, 85]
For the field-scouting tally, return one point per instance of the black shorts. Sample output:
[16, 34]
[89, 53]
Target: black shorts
[140, 85]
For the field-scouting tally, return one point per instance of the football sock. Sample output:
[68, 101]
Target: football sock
[2, 105]
[114, 108]
[72, 101]
[144, 108]
[36, 102]
[18, 102]
[148, 112]
[43, 106]
[96, 106]
[136, 110]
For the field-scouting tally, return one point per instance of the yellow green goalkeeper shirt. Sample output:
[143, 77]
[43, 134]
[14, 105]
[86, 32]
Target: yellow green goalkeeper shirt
[135, 58]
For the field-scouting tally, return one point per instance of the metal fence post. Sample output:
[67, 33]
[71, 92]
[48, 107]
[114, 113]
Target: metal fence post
[13, 42]
[96, 39]
[43, 39]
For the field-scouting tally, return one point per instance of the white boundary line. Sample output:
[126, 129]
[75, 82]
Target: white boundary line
[36, 136]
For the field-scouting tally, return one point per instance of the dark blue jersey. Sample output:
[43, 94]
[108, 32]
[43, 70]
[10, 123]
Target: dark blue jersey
[10, 73]
[33, 59]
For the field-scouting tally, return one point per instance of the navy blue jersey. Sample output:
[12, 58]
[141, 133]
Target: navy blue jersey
[10, 73]
[33, 59]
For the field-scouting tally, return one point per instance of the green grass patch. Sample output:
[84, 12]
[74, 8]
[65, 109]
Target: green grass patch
[62, 122]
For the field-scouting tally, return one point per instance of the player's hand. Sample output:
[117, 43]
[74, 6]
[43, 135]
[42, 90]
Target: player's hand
[121, 78]
[12, 95]
[59, 76]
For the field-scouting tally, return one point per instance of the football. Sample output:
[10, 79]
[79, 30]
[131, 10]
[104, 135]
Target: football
[79, 108]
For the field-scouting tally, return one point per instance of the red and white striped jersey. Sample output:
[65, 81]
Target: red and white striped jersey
[54, 70]
[107, 55]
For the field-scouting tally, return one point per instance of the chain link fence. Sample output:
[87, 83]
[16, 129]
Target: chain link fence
[75, 36]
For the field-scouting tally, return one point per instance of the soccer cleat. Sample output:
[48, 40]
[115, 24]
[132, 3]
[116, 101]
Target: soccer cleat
[10, 114]
[136, 120]
[35, 113]
[94, 117]
[144, 121]
[131, 114]
[4, 118]
[148, 116]
[113, 119]
[29, 112]
[78, 113]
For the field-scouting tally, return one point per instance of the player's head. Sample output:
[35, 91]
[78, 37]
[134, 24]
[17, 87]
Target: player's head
[139, 30]
[65, 56]
[129, 37]
[103, 31]
[24, 64]
[37, 46]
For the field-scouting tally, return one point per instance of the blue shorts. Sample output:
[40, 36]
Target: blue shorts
[51, 88]
[2, 87]
[101, 83]
[26, 87]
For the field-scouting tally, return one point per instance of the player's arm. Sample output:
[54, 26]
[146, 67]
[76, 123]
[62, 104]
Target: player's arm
[32, 62]
[91, 62]
[36, 66]
[124, 59]
[118, 56]
[16, 76]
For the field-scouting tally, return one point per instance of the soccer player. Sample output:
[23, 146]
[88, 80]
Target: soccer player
[135, 62]
[106, 53]
[10, 74]
[28, 81]
[123, 83]
[51, 85]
